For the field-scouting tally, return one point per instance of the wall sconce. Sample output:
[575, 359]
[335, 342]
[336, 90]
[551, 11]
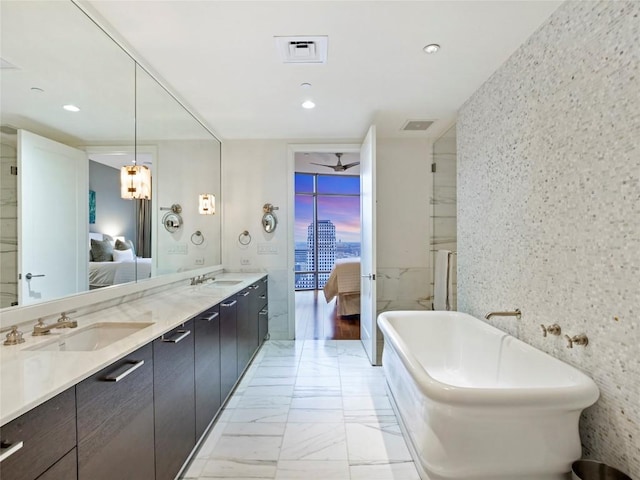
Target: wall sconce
[207, 204]
[135, 182]
[172, 220]
[269, 219]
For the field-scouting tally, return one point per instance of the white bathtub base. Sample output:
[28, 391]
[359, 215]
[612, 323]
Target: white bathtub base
[424, 475]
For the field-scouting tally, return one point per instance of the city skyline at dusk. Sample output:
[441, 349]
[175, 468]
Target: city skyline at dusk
[343, 211]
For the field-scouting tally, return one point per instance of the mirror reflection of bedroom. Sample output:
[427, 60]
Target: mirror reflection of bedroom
[327, 246]
[119, 235]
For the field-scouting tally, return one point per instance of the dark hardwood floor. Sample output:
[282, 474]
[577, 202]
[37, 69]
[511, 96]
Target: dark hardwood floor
[317, 319]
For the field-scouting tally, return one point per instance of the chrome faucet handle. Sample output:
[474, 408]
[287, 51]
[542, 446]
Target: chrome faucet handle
[64, 317]
[40, 328]
[554, 329]
[577, 339]
[14, 337]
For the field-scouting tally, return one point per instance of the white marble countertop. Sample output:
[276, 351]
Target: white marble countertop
[29, 378]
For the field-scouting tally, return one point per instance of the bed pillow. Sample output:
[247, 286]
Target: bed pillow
[101, 250]
[126, 245]
[123, 255]
[109, 238]
[93, 236]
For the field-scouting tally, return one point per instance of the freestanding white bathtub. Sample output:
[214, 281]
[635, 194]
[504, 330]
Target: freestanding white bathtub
[478, 404]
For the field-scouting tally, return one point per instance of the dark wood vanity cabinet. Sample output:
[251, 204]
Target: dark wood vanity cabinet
[115, 420]
[141, 417]
[245, 328]
[35, 441]
[228, 346]
[259, 310]
[64, 469]
[174, 399]
[207, 367]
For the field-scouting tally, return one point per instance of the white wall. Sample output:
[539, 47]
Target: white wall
[404, 186]
[256, 172]
[549, 206]
[185, 169]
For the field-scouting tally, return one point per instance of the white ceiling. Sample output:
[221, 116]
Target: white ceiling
[221, 59]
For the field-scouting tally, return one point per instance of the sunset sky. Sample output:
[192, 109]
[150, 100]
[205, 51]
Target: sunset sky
[344, 212]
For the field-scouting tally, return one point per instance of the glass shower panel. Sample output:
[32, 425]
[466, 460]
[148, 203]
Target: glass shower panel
[443, 202]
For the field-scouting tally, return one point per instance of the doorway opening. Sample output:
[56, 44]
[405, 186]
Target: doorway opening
[327, 245]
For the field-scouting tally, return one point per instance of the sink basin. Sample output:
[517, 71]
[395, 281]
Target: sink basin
[91, 338]
[226, 283]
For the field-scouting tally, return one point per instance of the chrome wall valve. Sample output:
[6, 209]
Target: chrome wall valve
[554, 329]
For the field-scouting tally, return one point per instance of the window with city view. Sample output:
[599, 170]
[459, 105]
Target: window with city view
[327, 225]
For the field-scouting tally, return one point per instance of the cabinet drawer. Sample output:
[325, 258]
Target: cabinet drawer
[207, 367]
[47, 433]
[228, 346]
[115, 420]
[174, 397]
[260, 298]
[64, 469]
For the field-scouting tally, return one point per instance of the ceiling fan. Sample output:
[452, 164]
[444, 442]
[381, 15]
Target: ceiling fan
[339, 167]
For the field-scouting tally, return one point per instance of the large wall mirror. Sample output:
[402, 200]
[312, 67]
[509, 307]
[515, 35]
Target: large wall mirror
[64, 226]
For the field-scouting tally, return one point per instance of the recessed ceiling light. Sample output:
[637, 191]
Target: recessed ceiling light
[308, 104]
[305, 85]
[71, 108]
[431, 48]
[37, 89]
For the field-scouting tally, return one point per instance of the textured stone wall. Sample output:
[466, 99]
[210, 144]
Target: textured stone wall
[549, 206]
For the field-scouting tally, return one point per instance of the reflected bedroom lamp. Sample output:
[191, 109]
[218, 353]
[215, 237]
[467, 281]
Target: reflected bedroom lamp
[207, 204]
[135, 182]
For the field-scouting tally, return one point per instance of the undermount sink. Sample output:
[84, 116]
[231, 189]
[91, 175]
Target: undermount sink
[91, 338]
[226, 283]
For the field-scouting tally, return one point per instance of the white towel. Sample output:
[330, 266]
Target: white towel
[442, 281]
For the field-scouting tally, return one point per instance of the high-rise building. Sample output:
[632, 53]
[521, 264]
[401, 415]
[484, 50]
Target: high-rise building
[326, 245]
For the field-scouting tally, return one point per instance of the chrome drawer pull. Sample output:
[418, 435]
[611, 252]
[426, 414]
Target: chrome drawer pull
[244, 294]
[211, 317]
[182, 335]
[230, 304]
[8, 449]
[255, 287]
[264, 311]
[263, 296]
[116, 377]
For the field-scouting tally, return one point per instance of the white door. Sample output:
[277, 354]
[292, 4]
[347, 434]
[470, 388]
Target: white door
[53, 219]
[368, 328]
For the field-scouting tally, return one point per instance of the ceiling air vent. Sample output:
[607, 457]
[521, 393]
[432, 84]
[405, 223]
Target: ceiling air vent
[416, 125]
[302, 49]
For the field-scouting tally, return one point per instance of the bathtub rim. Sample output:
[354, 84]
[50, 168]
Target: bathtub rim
[572, 397]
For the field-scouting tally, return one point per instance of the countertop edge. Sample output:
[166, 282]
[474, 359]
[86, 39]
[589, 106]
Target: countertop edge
[18, 358]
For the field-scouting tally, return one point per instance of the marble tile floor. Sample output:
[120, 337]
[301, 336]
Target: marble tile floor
[306, 409]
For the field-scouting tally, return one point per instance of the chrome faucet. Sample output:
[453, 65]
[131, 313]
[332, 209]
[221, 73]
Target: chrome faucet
[516, 313]
[198, 279]
[41, 328]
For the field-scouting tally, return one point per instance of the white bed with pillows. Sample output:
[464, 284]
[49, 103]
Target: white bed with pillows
[112, 262]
